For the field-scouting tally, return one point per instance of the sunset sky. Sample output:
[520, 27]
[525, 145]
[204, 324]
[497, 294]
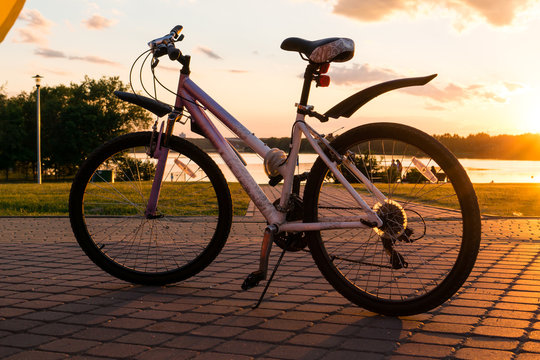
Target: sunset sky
[487, 55]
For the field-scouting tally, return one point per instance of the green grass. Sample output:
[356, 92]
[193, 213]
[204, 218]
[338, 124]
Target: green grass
[509, 199]
[34, 199]
[52, 199]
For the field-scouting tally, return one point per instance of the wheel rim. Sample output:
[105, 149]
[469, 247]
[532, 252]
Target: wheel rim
[115, 200]
[399, 262]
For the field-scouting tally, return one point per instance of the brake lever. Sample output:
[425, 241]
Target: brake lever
[154, 63]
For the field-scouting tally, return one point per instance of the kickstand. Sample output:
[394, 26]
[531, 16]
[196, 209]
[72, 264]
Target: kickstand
[289, 241]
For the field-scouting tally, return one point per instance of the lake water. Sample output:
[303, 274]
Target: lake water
[479, 170]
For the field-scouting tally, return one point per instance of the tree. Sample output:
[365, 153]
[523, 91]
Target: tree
[81, 117]
[75, 119]
[130, 169]
[367, 164]
[15, 131]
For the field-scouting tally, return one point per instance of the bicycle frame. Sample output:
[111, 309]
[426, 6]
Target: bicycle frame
[189, 95]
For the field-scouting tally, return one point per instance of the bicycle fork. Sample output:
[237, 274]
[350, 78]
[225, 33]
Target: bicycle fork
[159, 152]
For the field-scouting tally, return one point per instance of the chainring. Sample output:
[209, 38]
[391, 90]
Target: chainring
[292, 241]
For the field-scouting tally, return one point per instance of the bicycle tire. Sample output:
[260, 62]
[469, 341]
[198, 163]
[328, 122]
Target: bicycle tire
[422, 255]
[107, 211]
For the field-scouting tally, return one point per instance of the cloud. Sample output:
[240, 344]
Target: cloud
[34, 18]
[236, 71]
[366, 75]
[49, 53]
[98, 22]
[94, 59]
[458, 94]
[432, 107]
[494, 12]
[36, 29]
[513, 86]
[358, 74]
[209, 53]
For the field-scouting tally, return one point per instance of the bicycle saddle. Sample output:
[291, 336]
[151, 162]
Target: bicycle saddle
[321, 51]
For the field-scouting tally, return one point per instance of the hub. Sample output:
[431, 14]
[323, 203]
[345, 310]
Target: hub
[393, 217]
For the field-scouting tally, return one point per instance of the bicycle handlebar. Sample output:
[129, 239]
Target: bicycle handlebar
[165, 44]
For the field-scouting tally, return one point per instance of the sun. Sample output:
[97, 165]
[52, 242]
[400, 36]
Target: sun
[531, 120]
[528, 117]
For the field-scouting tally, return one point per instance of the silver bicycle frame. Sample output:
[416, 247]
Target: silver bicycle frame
[195, 100]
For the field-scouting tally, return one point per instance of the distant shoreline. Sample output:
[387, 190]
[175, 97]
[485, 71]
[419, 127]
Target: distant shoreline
[524, 147]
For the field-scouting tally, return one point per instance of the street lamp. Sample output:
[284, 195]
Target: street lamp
[38, 83]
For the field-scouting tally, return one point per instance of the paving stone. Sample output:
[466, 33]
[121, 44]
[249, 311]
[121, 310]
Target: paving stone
[271, 336]
[68, 345]
[145, 338]
[199, 343]
[526, 356]
[172, 327]
[218, 331]
[56, 329]
[316, 340]
[414, 349]
[532, 346]
[248, 348]
[346, 355]
[37, 355]
[15, 324]
[219, 356]
[295, 352]
[99, 334]
[474, 354]
[166, 354]
[117, 350]
[25, 340]
[369, 345]
[499, 331]
[492, 343]
[128, 323]
[55, 303]
[6, 351]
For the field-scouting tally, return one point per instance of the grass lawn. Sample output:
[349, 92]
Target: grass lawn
[509, 199]
[52, 199]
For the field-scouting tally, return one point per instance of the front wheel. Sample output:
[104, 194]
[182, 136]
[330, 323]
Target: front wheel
[107, 207]
[430, 236]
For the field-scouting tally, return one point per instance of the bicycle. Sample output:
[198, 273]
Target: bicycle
[152, 208]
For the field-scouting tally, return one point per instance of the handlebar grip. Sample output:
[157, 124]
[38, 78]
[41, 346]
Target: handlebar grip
[160, 51]
[175, 31]
[174, 53]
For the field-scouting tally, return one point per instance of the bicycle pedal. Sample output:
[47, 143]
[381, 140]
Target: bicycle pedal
[253, 280]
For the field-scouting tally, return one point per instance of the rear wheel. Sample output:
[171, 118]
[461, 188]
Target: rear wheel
[428, 243]
[107, 210]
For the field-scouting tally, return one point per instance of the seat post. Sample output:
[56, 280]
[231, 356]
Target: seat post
[308, 78]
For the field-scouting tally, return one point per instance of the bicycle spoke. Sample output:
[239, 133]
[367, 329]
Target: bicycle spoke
[187, 216]
[419, 242]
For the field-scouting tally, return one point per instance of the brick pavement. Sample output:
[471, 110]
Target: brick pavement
[55, 304]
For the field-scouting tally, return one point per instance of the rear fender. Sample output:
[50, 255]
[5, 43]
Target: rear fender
[351, 104]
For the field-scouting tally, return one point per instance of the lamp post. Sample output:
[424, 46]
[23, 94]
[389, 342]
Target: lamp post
[38, 83]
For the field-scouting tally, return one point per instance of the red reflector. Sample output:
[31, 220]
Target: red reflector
[324, 80]
[324, 68]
